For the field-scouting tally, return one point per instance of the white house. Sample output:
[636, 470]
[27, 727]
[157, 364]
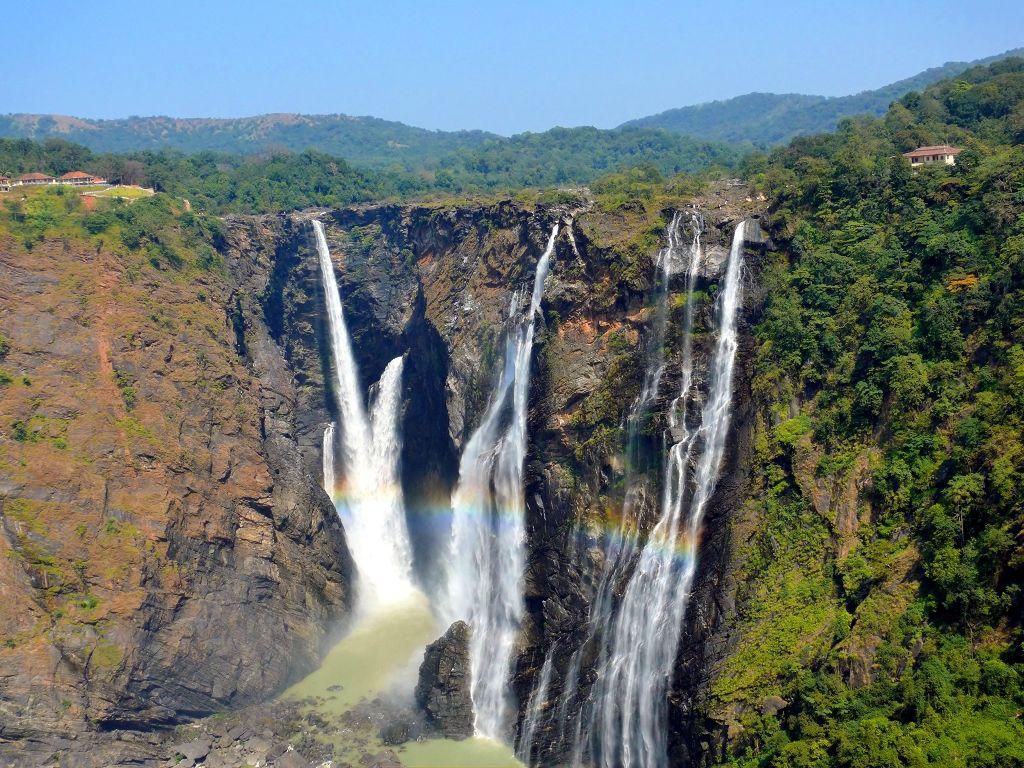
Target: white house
[942, 153]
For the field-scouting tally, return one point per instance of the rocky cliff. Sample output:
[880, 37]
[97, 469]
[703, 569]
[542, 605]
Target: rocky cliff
[165, 554]
[434, 283]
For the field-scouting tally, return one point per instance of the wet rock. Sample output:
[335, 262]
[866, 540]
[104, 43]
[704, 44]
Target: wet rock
[386, 759]
[443, 690]
[400, 731]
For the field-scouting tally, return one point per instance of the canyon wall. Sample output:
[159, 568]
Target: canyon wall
[164, 554]
[435, 283]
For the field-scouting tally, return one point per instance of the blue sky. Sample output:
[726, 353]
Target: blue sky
[502, 66]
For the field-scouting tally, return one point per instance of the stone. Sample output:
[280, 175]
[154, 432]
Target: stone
[387, 759]
[443, 690]
[193, 750]
[291, 759]
[236, 733]
[772, 705]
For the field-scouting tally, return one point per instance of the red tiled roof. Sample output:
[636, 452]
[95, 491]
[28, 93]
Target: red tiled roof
[34, 177]
[939, 149]
[77, 175]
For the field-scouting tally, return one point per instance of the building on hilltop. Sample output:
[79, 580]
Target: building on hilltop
[80, 178]
[36, 178]
[5, 183]
[942, 153]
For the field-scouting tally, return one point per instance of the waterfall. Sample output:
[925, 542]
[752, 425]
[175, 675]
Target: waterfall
[328, 460]
[535, 708]
[486, 559]
[632, 696]
[369, 497]
[620, 549]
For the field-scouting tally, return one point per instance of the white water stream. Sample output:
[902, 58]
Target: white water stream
[486, 559]
[632, 695]
[367, 495]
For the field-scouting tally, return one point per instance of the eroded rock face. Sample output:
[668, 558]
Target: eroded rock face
[164, 553]
[443, 688]
[435, 284]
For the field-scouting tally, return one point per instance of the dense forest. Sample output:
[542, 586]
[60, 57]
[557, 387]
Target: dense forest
[287, 181]
[891, 348]
[364, 140]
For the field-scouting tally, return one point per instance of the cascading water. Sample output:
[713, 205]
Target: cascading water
[623, 722]
[535, 707]
[631, 698]
[620, 550]
[327, 464]
[369, 497]
[487, 558]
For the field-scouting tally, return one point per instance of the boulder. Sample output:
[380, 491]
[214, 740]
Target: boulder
[443, 688]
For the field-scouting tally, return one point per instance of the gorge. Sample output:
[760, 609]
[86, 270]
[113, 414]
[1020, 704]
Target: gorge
[649, 547]
[427, 327]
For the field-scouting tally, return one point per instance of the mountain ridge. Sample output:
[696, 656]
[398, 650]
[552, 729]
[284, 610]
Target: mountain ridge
[365, 139]
[756, 118]
[765, 118]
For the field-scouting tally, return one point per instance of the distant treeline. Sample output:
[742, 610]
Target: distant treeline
[284, 180]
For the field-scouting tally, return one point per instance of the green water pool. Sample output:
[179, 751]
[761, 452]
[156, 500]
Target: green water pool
[382, 653]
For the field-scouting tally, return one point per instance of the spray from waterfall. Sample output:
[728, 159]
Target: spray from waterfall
[368, 497]
[487, 548]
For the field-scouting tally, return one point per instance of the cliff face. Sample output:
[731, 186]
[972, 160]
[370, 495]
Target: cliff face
[164, 552]
[435, 284]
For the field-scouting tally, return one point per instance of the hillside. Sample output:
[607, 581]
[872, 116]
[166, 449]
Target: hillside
[878, 562]
[365, 140]
[288, 181]
[773, 118]
[560, 155]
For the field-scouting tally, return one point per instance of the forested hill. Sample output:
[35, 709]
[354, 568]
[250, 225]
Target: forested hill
[886, 618]
[362, 140]
[773, 118]
[758, 118]
[277, 181]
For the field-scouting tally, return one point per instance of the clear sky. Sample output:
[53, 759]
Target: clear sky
[502, 66]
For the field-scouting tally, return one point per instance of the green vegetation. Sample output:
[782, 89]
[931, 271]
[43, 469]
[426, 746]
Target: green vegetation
[126, 193]
[765, 119]
[124, 385]
[156, 227]
[365, 140]
[281, 181]
[895, 317]
[575, 156]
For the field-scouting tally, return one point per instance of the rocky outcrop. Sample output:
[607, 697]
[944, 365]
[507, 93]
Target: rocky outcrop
[435, 284]
[443, 688]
